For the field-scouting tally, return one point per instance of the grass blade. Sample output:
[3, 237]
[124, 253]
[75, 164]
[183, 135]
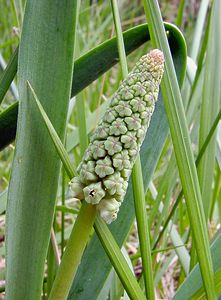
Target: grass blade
[8, 75]
[123, 270]
[33, 185]
[182, 148]
[200, 154]
[199, 29]
[143, 229]
[210, 104]
[68, 164]
[187, 290]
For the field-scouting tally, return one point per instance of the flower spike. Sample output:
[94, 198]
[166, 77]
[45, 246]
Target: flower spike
[108, 161]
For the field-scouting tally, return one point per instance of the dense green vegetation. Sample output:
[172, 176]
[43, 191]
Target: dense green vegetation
[64, 63]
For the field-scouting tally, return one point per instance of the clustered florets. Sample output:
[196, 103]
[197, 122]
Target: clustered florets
[109, 158]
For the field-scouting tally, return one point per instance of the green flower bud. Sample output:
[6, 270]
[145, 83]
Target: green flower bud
[118, 127]
[93, 193]
[88, 155]
[76, 187]
[133, 154]
[121, 160]
[123, 109]
[114, 183]
[102, 132]
[139, 90]
[104, 167]
[140, 134]
[110, 115]
[125, 93]
[98, 149]
[137, 104]
[112, 145]
[87, 172]
[133, 79]
[126, 173]
[129, 140]
[108, 161]
[108, 209]
[133, 122]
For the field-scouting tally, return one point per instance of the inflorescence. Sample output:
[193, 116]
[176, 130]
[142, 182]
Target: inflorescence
[107, 163]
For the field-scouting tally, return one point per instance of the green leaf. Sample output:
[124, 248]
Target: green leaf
[182, 147]
[8, 75]
[89, 67]
[68, 165]
[210, 104]
[36, 166]
[193, 283]
[118, 261]
[83, 287]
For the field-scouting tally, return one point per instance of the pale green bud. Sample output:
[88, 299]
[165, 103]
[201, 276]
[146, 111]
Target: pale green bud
[121, 160]
[118, 127]
[76, 187]
[114, 183]
[133, 122]
[129, 140]
[98, 149]
[124, 109]
[112, 145]
[108, 209]
[104, 167]
[138, 105]
[93, 193]
[87, 172]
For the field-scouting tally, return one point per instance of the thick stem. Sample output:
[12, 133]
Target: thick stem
[73, 253]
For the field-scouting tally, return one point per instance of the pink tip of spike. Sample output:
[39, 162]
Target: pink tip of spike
[157, 55]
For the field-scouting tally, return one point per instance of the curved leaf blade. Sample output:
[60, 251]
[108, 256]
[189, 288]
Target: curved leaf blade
[92, 65]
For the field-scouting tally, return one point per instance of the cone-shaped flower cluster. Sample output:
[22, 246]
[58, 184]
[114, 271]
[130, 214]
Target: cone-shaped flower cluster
[109, 158]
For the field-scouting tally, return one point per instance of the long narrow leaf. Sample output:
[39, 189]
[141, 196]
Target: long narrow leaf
[182, 147]
[35, 171]
[187, 290]
[210, 104]
[89, 67]
[68, 165]
[118, 261]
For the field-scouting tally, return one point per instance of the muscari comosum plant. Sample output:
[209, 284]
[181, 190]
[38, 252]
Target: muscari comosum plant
[107, 187]
[109, 158]
[107, 163]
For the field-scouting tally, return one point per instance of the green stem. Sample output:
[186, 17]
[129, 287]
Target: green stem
[62, 213]
[143, 229]
[73, 252]
[82, 126]
[120, 40]
[137, 179]
[179, 18]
